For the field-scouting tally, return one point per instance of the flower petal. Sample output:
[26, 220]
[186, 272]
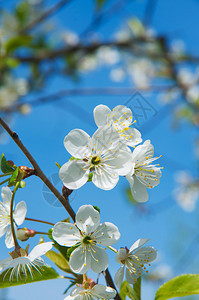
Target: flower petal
[20, 212]
[131, 137]
[121, 117]
[76, 291]
[141, 151]
[87, 218]
[106, 234]
[6, 194]
[40, 250]
[138, 244]
[119, 277]
[101, 113]
[105, 138]
[121, 255]
[66, 234]
[99, 259]
[132, 277]
[3, 228]
[139, 191]
[9, 238]
[146, 254]
[121, 162]
[77, 143]
[74, 174]
[5, 263]
[103, 292]
[80, 260]
[105, 178]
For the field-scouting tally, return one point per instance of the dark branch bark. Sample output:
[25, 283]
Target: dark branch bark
[38, 171]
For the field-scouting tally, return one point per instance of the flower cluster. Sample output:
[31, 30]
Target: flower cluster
[107, 155]
[101, 158]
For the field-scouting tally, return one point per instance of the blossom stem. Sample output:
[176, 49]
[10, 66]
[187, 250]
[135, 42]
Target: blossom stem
[4, 181]
[38, 172]
[40, 221]
[113, 249]
[6, 174]
[40, 232]
[17, 247]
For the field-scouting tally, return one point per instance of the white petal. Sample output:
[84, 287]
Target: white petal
[105, 178]
[141, 151]
[9, 239]
[106, 234]
[121, 255]
[87, 218]
[105, 138]
[119, 277]
[138, 244]
[76, 291]
[146, 254]
[74, 174]
[103, 292]
[80, 260]
[6, 194]
[101, 113]
[40, 250]
[66, 234]
[77, 143]
[121, 117]
[5, 263]
[139, 191]
[22, 260]
[99, 259]
[20, 212]
[132, 277]
[131, 137]
[121, 162]
[3, 228]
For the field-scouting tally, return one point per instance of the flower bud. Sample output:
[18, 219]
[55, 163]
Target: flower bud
[23, 234]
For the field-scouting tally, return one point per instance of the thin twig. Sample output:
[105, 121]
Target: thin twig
[39, 221]
[46, 15]
[38, 171]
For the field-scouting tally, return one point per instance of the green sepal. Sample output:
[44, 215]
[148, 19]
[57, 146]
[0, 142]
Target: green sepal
[97, 208]
[90, 177]
[58, 165]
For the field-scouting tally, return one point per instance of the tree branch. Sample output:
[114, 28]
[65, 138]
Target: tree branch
[38, 171]
[46, 15]
[109, 282]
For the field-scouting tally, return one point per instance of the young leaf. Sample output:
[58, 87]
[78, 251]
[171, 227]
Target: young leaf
[132, 293]
[46, 273]
[59, 260]
[180, 286]
[14, 176]
[5, 168]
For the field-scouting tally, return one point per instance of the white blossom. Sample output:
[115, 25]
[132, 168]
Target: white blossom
[97, 292]
[25, 263]
[120, 119]
[143, 174]
[87, 234]
[134, 260]
[102, 154]
[18, 215]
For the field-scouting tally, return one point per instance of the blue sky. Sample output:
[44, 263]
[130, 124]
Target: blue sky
[170, 229]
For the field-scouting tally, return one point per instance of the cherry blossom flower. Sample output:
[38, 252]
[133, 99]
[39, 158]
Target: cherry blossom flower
[18, 215]
[134, 261]
[121, 119]
[143, 174]
[103, 154]
[25, 263]
[86, 234]
[97, 292]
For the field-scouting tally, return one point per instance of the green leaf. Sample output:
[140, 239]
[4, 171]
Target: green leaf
[46, 273]
[14, 176]
[132, 293]
[5, 168]
[180, 286]
[17, 42]
[11, 62]
[59, 260]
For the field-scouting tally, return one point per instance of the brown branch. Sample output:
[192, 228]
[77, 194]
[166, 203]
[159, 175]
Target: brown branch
[109, 282]
[38, 171]
[45, 15]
